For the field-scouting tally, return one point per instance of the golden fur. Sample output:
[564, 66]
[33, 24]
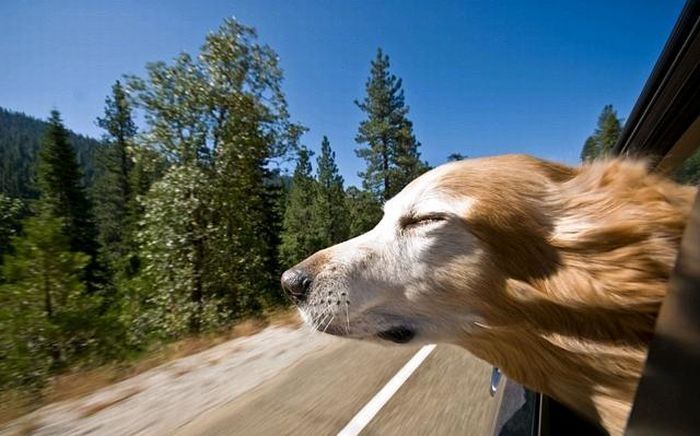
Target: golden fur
[559, 277]
[580, 275]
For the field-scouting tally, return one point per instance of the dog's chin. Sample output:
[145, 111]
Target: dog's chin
[398, 334]
[368, 327]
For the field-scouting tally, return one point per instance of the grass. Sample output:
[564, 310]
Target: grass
[78, 382]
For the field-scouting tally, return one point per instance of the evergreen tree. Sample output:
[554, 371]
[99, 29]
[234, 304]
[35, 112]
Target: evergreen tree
[391, 153]
[45, 314]
[590, 150]
[149, 166]
[364, 210]
[113, 188]
[453, 157]
[689, 171]
[63, 194]
[10, 212]
[298, 240]
[604, 137]
[275, 198]
[329, 208]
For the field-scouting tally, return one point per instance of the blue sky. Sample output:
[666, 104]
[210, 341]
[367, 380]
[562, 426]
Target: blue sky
[481, 78]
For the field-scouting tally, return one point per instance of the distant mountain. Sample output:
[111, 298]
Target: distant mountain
[20, 139]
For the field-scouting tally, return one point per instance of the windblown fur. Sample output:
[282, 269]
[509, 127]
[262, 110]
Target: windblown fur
[554, 274]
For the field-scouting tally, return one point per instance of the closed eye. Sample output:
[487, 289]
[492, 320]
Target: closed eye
[408, 222]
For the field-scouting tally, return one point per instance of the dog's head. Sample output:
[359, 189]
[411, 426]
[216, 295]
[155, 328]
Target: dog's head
[430, 269]
[553, 274]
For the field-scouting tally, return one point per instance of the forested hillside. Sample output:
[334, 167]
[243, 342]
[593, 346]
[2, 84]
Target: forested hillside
[20, 139]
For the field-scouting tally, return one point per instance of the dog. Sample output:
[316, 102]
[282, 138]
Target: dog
[552, 273]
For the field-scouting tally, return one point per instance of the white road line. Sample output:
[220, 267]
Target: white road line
[364, 416]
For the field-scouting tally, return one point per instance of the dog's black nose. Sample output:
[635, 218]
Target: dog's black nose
[296, 282]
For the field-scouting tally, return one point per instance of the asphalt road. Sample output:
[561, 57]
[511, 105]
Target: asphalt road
[319, 395]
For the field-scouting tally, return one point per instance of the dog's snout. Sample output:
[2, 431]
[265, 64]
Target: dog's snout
[296, 283]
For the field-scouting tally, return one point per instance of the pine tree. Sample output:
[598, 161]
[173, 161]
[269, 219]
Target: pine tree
[590, 150]
[364, 210]
[47, 318]
[453, 157]
[604, 137]
[62, 194]
[329, 208]
[392, 153]
[298, 239]
[10, 212]
[114, 210]
[689, 171]
[275, 197]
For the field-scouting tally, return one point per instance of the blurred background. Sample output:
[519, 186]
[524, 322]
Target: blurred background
[162, 163]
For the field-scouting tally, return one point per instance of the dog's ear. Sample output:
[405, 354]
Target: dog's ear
[517, 240]
[514, 209]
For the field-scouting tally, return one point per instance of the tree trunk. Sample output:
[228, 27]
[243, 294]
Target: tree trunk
[54, 348]
[385, 169]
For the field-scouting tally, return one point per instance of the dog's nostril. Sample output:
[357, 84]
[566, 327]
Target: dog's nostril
[296, 283]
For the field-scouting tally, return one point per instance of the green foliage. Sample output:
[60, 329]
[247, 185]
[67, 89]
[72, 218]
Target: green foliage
[50, 315]
[11, 210]
[590, 150]
[689, 171]
[149, 166]
[173, 247]
[317, 214]
[391, 153]
[46, 318]
[20, 141]
[114, 211]
[118, 124]
[208, 242]
[275, 199]
[453, 157]
[62, 192]
[128, 170]
[250, 127]
[364, 210]
[227, 97]
[330, 214]
[298, 237]
[604, 137]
